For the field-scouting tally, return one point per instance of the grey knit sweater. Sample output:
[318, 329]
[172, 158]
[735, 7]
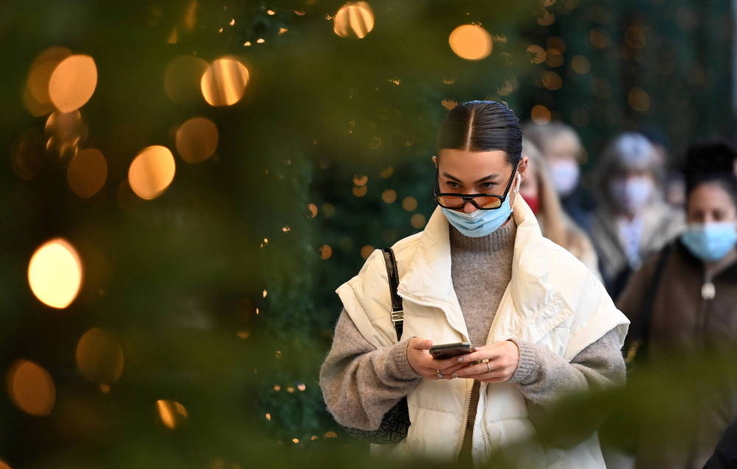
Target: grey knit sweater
[360, 382]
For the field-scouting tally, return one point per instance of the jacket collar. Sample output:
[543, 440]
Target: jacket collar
[428, 281]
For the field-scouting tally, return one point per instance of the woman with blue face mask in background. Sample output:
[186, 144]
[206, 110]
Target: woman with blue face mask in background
[684, 308]
[541, 323]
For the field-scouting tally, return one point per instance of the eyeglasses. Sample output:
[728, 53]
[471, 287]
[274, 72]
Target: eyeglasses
[480, 201]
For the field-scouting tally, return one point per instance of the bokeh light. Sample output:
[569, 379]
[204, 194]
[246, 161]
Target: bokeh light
[409, 203]
[552, 81]
[389, 196]
[151, 172]
[183, 77]
[4, 465]
[540, 114]
[580, 64]
[55, 273]
[366, 251]
[471, 42]
[31, 388]
[639, 99]
[99, 356]
[65, 131]
[354, 19]
[537, 54]
[360, 180]
[599, 38]
[360, 191]
[224, 82]
[418, 221]
[197, 140]
[87, 172]
[73, 82]
[554, 57]
[171, 413]
[387, 172]
[313, 210]
[36, 95]
[326, 252]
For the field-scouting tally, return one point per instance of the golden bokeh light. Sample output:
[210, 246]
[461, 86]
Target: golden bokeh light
[552, 81]
[55, 273]
[313, 210]
[599, 38]
[449, 103]
[171, 413]
[580, 64]
[389, 196]
[409, 203]
[330, 435]
[360, 180]
[151, 172]
[31, 388]
[197, 140]
[326, 252]
[99, 356]
[36, 95]
[387, 172]
[73, 82]
[558, 43]
[366, 251]
[537, 54]
[354, 19]
[182, 79]
[471, 42]
[224, 82]
[639, 99]
[418, 221]
[29, 155]
[546, 18]
[360, 191]
[554, 57]
[540, 114]
[65, 131]
[87, 172]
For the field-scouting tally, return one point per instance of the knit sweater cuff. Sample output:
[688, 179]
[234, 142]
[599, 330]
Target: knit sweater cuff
[528, 369]
[402, 368]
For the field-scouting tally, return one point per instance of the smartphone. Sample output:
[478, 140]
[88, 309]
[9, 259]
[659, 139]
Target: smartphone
[444, 351]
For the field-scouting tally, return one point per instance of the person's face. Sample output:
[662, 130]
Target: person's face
[476, 172]
[563, 148]
[710, 203]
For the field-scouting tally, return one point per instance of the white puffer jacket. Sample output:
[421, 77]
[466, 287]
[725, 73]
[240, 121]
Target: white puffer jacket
[552, 300]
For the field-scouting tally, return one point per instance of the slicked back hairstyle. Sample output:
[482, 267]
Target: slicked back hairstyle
[482, 126]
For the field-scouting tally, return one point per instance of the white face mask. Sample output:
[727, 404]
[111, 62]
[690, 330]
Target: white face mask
[565, 175]
[632, 194]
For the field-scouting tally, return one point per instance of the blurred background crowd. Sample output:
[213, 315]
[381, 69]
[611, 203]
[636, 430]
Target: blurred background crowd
[186, 182]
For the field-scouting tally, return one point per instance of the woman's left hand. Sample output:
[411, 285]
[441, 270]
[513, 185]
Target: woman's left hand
[501, 361]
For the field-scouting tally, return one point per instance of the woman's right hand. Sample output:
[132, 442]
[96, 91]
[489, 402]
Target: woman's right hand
[425, 365]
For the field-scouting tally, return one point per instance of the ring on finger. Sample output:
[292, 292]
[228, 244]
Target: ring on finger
[439, 374]
[488, 367]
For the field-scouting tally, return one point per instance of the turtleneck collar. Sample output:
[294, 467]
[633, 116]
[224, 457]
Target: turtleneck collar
[500, 240]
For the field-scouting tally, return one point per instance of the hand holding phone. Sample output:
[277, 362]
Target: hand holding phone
[445, 351]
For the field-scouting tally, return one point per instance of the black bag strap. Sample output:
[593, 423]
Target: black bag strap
[393, 275]
[638, 343]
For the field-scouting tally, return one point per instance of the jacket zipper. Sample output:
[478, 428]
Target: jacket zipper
[468, 392]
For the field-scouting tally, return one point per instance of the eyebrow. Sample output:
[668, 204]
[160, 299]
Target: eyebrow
[486, 178]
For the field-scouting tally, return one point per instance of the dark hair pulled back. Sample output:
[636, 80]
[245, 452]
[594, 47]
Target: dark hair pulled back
[482, 126]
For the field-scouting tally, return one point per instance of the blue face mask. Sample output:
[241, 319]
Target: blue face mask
[479, 223]
[711, 241]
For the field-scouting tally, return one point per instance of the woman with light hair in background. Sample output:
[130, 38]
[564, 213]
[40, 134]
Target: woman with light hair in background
[632, 221]
[561, 150]
[539, 193]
